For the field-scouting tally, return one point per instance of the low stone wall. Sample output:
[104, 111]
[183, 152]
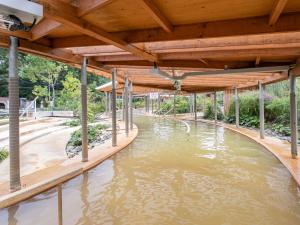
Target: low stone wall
[54, 113]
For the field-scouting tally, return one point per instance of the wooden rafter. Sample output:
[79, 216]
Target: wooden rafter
[88, 6]
[157, 15]
[67, 15]
[217, 29]
[43, 28]
[277, 9]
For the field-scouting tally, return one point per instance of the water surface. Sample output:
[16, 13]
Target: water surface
[211, 176]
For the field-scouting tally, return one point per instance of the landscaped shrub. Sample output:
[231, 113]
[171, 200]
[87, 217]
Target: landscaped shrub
[3, 154]
[248, 108]
[72, 123]
[93, 133]
[209, 112]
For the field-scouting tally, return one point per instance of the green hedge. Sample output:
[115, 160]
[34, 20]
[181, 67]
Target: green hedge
[93, 132]
[3, 154]
[209, 111]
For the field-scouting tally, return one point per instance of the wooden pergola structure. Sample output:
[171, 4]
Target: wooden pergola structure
[189, 45]
[176, 35]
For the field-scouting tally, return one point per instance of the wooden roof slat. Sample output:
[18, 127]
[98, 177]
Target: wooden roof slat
[66, 15]
[43, 28]
[157, 15]
[277, 9]
[88, 6]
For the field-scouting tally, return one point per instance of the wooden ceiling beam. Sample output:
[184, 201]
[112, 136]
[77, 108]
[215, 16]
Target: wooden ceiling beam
[157, 15]
[88, 6]
[208, 54]
[188, 64]
[43, 28]
[229, 28]
[277, 9]
[67, 15]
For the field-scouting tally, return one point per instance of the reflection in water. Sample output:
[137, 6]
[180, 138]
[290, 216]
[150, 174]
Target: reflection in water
[212, 176]
[12, 220]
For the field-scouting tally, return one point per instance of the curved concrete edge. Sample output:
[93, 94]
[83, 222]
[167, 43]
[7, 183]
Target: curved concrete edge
[69, 170]
[279, 148]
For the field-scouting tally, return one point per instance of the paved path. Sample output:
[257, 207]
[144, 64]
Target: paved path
[42, 145]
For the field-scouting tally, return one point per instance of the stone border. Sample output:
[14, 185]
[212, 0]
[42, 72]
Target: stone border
[73, 168]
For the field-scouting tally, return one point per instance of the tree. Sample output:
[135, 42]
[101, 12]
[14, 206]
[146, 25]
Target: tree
[44, 73]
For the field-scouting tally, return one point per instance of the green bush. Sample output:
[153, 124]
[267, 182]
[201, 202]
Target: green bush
[209, 112]
[3, 154]
[248, 108]
[72, 123]
[93, 132]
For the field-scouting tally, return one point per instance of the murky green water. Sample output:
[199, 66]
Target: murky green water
[212, 176]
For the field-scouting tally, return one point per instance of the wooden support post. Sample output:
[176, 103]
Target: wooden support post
[107, 103]
[145, 100]
[126, 107]
[237, 110]
[114, 109]
[84, 127]
[215, 107]
[131, 106]
[14, 130]
[158, 103]
[123, 106]
[59, 204]
[293, 115]
[174, 104]
[261, 110]
[195, 105]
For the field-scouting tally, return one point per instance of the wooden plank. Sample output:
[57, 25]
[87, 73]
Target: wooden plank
[43, 28]
[257, 60]
[277, 9]
[157, 15]
[209, 54]
[238, 27]
[88, 6]
[66, 15]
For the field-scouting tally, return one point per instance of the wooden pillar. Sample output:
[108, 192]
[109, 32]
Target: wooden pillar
[84, 116]
[131, 106]
[59, 204]
[14, 130]
[237, 110]
[261, 110]
[174, 104]
[158, 103]
[215, 107]
[195, 105]
[126, 107]
[293, 115]
[114, 109]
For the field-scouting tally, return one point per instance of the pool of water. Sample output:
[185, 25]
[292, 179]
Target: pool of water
[212, 176]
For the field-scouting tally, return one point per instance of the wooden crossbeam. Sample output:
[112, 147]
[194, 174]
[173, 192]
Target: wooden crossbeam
[229, 28]
[187, 64]
[43, 28]
[262, 41]
[88, 6]
[67, 15]
[277, 9]
[157, 15]
[209, 54]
